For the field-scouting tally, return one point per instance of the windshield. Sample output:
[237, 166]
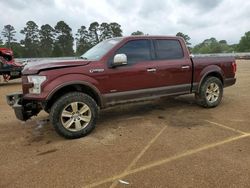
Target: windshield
[99, 50]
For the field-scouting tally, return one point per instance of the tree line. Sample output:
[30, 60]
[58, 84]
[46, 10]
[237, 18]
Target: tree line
[57, 41]
[212, 45]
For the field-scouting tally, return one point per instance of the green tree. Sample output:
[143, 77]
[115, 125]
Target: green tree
[1, 42]
[233, 47]
[224, 42]
[109, 31]
[99, 32]
[205, 47]
[137, 33]
[212, 46]
[185, 37]
[116, 30]
[57, 50]
[94, 33]
[244, 44]
[82, 40]
[225, 47]
[31, 40]
[105, 31]
[64, 40]
[46, 35]
[18, 49]
[9, 33]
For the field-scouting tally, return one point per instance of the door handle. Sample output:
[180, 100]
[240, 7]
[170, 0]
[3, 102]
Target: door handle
[151, 70]
[185, 67]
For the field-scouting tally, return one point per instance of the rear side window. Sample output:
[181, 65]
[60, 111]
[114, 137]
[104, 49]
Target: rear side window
[136, 50]
[168, 49]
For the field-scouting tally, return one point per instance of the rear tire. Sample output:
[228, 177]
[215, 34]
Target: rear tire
[210, 93]
[74, 115]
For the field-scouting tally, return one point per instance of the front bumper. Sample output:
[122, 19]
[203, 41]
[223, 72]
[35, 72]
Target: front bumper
[23, 109]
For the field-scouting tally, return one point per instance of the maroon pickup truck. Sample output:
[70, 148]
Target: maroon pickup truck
[118, 70]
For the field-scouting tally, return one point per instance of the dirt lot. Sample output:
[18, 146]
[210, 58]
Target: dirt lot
[165, 143]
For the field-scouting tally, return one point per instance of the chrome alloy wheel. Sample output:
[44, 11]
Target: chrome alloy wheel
[212, 92]
[76, 116]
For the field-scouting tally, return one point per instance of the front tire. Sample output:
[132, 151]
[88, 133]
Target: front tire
[210, 93]
[74, 115]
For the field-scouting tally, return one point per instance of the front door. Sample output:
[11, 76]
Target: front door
[139, 73]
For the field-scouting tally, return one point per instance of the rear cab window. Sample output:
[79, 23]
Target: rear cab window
[167, 49]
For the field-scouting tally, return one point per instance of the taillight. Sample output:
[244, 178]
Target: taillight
[234, 66]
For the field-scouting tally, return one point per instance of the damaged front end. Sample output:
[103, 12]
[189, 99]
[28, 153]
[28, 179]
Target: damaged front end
[24, 110]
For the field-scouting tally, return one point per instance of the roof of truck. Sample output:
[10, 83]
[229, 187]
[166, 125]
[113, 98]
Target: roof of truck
[150, 36]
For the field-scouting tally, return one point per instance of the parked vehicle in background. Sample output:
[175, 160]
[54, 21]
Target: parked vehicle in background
[117, 71]
[9, 69]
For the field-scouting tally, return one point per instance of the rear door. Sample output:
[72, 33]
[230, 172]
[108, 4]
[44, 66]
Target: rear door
[174, 70]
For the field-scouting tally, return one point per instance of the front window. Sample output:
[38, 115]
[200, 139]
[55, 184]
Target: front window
[136, 51]
[99, 50]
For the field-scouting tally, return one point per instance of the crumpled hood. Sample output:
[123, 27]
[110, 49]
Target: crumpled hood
[34, 67]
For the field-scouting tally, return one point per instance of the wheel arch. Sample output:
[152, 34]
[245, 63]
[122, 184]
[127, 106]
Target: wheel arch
[80, 86]
[217, 74]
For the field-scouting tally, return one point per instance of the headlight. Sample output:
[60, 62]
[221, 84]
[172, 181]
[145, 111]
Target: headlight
[37, 82]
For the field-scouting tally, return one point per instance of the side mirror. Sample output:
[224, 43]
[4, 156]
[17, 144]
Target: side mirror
[119, 60]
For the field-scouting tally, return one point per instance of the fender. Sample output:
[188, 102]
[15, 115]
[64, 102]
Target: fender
[66, 80]
[210, 70]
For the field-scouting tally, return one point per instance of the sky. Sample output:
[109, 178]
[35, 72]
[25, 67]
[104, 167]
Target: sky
[200, 19]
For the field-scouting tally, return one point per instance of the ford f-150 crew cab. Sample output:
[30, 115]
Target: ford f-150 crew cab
[115, 71]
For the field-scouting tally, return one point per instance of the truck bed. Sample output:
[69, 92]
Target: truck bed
[203, 65]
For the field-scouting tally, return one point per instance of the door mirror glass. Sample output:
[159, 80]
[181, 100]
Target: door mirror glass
[120, 59]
